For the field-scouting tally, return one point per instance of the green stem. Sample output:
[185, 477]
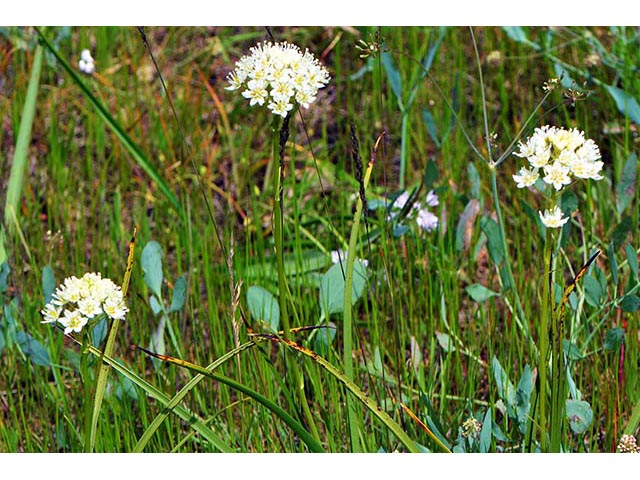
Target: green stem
[283, 297]
[558, 384]
[544, 343]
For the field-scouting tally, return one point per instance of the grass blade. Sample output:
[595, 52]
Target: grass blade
[16, 177]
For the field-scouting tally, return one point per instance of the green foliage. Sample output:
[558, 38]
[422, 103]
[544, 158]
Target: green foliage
[263, 307]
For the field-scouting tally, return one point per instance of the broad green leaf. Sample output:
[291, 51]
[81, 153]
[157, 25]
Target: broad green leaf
[2, 341]
[486, 432]
[332, 287]
[480, 293]
[494, 243]
[627, 105]
[33, 349]
[445, 342]
[580, 415]
[393, 75]
[626, 186]
[151, 261]
[619, 235]
[432, 128]
[519, 35]
[523, 399]
[474, 181]
[156, 306]
[613, 339]
[630, 303]
[99, 332]
[506, 390]
[632, 260]
[430, 174]
[592, 290]
[564, 76]
[179, 292]
[571, 350]
[323, 339]
[48, 283]
[263, 306]
[157, 343]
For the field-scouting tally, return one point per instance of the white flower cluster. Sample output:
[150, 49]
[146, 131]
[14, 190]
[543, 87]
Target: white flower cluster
[78, 300]
[278, 74]
[557, 156]
[424, 218]
[86, 63]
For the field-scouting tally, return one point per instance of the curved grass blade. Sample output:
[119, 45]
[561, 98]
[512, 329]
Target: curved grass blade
[184, 391]
[192, 419]
[355, 390]
[304, 435]
[122, 135]
[428, 431]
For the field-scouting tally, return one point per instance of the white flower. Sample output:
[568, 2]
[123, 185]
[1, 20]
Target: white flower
[281, 73]
[526, 177]
[427, 220]
[401, 201]
[557, 175]
[73, 321]
[86, 63]
[79, 300]
[432, 199]
[553, 218]
[340, 256]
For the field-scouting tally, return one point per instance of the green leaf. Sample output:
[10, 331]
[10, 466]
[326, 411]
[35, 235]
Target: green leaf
[393, 75]
[613, 339]
[99, 333]
[592, 290]
[480, 293]
[4, 275]
[48, 283]
[571, 350]
[432, 128]
[626, 186]
[323, 339]
[486, 432]
[580, 415]
[332, 287]
[151, 261]
[474, 180]
[33, 349]
[2, 342]
[263, 306]
[630, 303]
[445, 342]
[156, 306]
[506, 391]
[179, 293]
[627, 105]
[430, 174]
[619, 235]
[519, 35]
[494, 243]
[632, 260]
[564, 76]
[523, 399]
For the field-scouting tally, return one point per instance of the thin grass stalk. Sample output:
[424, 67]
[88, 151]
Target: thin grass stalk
[280, 133]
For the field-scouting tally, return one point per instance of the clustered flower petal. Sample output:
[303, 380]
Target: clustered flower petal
[79, 300]
[561, 154]
[557, 156]
[425, 219]
[278, 75]
[86, 63]
[628, 444]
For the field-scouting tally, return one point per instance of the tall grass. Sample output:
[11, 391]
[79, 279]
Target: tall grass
[436, 327]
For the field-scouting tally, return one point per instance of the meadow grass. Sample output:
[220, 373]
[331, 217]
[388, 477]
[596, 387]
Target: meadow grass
[439, 324]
